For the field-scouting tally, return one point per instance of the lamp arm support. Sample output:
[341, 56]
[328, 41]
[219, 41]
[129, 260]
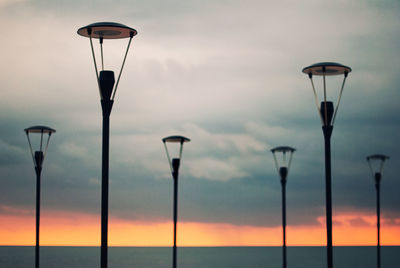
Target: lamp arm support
[169, 159]
[181, 150]
[340, 97]
[101, 51]
[122, 66]
[371, 169]
[316, 98]
[326, 108]
[381, 167]
[30, 147]
[41, 139]
[290, 161]
[276, 162]
[94, 61]
[47, 145]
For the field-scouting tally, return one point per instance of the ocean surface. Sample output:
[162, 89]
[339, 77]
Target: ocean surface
[198, 257]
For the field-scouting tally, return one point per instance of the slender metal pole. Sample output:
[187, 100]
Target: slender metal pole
[175, 175]
[38, 170]
[327, 130]
[106, 82]
[106, 106]
[104, 191]
[175, 218]
[283, 183]
[378, 217]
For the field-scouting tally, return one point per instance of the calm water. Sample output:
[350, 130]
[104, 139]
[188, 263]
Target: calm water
[198, 257]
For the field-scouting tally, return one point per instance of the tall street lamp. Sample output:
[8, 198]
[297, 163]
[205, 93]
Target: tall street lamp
[105, 80]
[174, 164]
[375, 163]
[38, 158]
[283, 158]
[327, 113]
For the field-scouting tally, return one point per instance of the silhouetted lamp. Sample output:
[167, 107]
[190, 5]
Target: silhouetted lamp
[375, 163]
[174, 163]
[106, 80]
[283, 158]
[327, 113]
[43, 133]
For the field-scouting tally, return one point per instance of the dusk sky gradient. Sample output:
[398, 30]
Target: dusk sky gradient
[227, 75]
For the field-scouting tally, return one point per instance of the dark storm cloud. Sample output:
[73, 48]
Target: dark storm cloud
[224, 74]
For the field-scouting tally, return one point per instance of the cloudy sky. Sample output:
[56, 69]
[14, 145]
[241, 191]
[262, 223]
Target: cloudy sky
[226, 74]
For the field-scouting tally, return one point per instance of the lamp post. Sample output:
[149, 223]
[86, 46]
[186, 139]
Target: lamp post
[375, 163]
[327, 114]
[105, 80]
[283, 158]
[38, 158]
[174, 164]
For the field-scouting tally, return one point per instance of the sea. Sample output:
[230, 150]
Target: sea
[198, 257]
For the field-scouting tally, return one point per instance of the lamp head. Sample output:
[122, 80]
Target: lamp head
[283, 158]
[107, 30]
[327, 69]
[326, 111]
[40, 130]
[39, 152]
[175, 148]
[102, 31]
[375, 163]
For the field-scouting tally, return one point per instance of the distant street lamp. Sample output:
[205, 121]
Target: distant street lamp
[105, 80]
[38, 158]
[174, 165]
[283, 158]
[375, 163]
[327, 113]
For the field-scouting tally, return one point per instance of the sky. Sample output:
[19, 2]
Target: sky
[227, 75]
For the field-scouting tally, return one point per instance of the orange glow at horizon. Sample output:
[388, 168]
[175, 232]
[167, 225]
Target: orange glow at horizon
[77, 229]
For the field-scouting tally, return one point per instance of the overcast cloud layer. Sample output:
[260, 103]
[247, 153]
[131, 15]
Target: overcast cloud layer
[226, 74]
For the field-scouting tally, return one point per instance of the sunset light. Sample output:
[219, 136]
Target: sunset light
[73, 229]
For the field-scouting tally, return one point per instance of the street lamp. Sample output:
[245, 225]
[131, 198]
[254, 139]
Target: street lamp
[327, 113]
[105, 80]
[375, 163]
[174, 165]
[38, 158]
[283, 158]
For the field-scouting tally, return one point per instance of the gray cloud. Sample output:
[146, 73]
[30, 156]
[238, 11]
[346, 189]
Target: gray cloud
[227, 75]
